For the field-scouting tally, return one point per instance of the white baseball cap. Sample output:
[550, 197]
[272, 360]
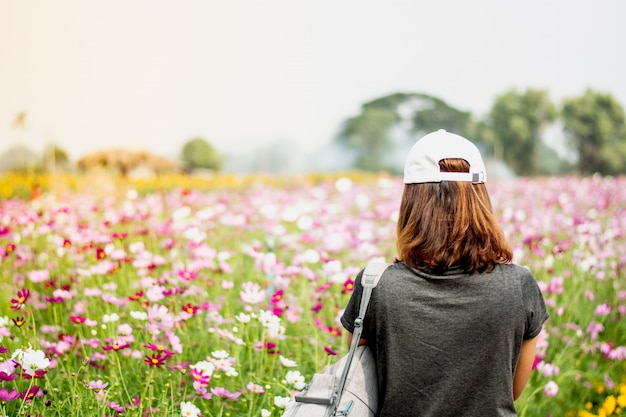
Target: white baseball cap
[422, 164]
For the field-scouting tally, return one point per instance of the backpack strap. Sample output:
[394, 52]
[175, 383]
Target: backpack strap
[369, 279]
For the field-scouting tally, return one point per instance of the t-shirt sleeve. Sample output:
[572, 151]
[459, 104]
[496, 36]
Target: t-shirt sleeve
[352, 309]
[535, 306]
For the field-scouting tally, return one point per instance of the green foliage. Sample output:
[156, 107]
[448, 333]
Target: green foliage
[198, 153]
[550, 163]
[423, 113]
[595, 125]
[370, 132]
[517, 120]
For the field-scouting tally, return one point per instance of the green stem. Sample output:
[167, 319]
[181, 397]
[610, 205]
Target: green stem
[145, 389]
[119, 367]
[30, 385]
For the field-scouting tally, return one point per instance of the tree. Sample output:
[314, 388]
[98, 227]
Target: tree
[392, 122]
[19, 158]
[517, 121]
[21, 125]
[198, 153]
[125, 161]
[422, 113]
[594, 125]
[54, 158]
[368, 133]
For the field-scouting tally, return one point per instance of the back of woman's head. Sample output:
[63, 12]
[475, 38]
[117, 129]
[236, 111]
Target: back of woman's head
[450, 224]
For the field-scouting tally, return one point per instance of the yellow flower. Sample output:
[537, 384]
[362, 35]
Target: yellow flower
[621, 400]
[609, 405]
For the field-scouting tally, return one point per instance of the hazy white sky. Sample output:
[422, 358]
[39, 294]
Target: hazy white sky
[153, 74]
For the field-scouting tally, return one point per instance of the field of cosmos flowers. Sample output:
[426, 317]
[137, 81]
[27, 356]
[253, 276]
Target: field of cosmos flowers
[222, 299]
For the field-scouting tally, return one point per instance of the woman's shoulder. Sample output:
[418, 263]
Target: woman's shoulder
[519, 273]
[513, 268]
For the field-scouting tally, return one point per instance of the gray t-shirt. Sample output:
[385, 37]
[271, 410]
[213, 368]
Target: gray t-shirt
[448, 345]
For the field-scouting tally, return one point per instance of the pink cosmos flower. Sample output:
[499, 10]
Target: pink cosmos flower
[78, 319]
[40, 275]
[124, 329]
[174, 342]
[252, 293]
[190, 309]
[22, 297]
[156, 359]
[293, 313]
[187, 275]
[7, 377]
[277, 296]
[160, 349]
[328, 350]
[181, 367]
[6, 396]
[555, 286]
[116, 407]
[225, 267]
[200, 377]
[594, 329]
[317, 307]
[155, 293]
[223, 392]
[551, 389]
[548, 369]
[201, 389]
[254, 388]
[115, 345]
[602, 310]
[159, 315]
[97, 385]
[31, 393]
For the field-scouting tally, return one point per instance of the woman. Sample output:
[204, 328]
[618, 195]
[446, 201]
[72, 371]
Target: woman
[453, 324]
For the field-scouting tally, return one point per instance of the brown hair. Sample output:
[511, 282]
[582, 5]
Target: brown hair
[450, 224]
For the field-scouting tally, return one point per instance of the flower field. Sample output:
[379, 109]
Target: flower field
[186, 299]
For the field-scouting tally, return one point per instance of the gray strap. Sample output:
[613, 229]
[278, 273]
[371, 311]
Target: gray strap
[369, 280]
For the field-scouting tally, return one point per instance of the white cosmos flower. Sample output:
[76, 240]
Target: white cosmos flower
[243, 318]
[139, 315]
[110, 318]
[287, 363]
[205, 367]
[311, 256]
[219, 354]
[34, 360]
[343, 184]
[296, 379]
[281, 402]
[18, 355]
[187, 409]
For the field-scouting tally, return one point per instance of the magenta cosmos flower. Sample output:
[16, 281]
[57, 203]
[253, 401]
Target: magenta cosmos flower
[22, 297]
[6, 396]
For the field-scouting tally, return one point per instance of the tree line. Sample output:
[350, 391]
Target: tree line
[593, 126]
[513, 131]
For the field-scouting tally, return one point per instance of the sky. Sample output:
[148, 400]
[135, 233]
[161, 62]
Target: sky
[152, 74]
